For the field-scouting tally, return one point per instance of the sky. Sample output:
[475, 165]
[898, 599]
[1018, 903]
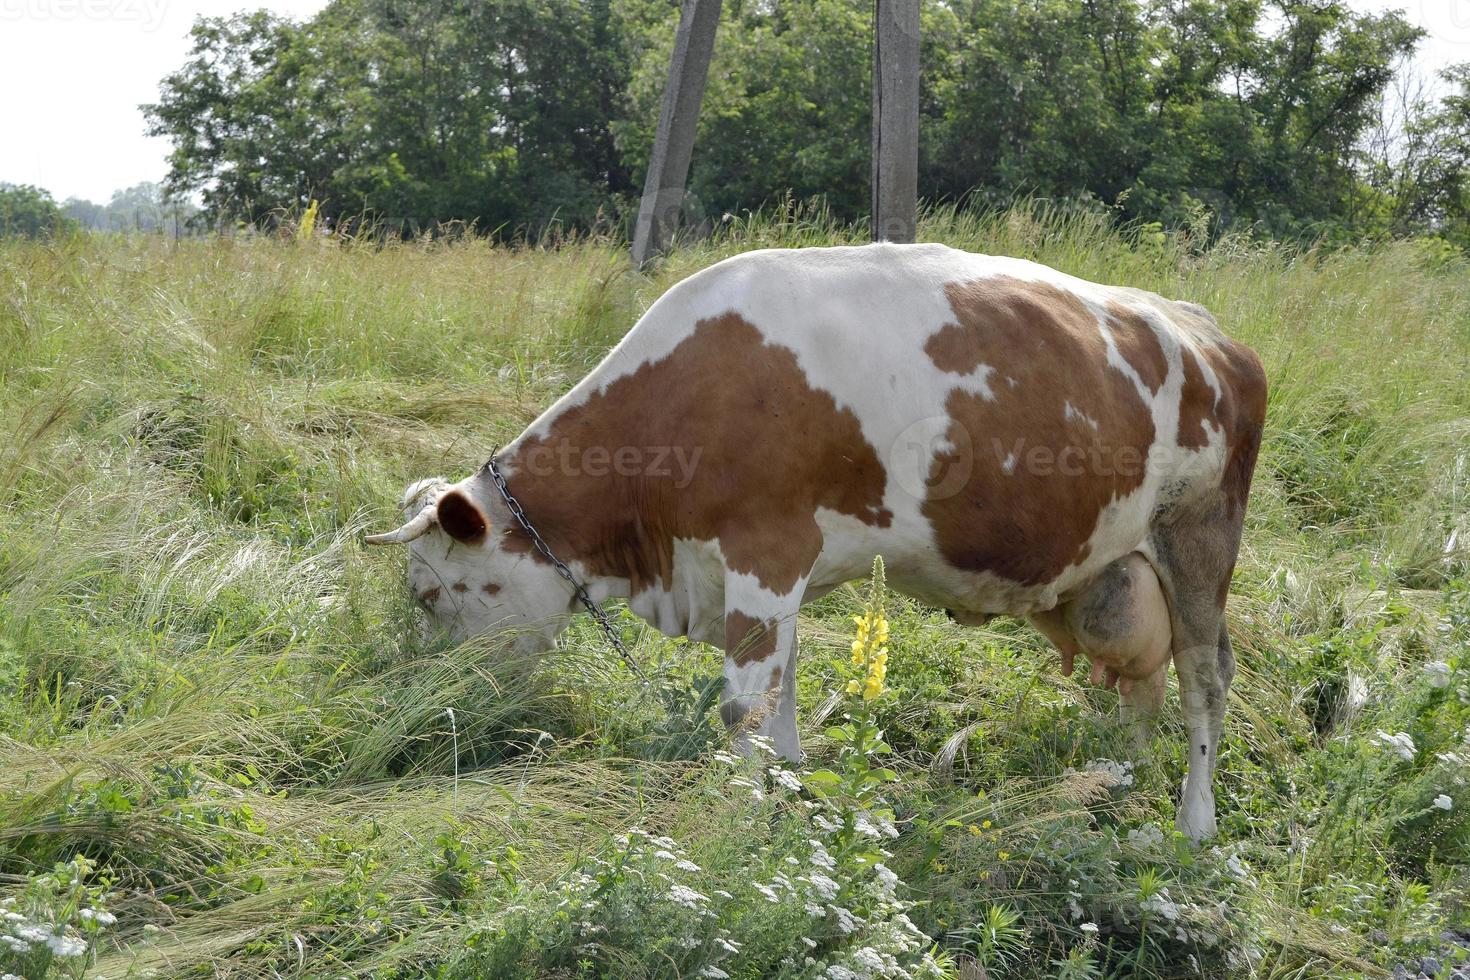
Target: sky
[73, 73]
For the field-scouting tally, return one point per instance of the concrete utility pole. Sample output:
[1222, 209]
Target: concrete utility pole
[895, 120]
[668, 168]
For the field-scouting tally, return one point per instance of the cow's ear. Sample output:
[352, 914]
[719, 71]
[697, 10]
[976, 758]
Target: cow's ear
[460, 518]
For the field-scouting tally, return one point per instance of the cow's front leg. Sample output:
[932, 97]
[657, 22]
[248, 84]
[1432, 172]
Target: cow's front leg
[760, 666]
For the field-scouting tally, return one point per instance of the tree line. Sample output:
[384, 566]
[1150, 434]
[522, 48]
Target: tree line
[31, 212]
[1276, 116]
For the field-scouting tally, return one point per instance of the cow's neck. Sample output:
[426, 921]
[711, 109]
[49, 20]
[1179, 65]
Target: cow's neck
[598, 524]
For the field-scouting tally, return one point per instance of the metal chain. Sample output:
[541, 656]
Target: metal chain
[583, 596]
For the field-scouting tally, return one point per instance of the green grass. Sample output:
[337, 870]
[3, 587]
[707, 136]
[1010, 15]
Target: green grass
[215, 695]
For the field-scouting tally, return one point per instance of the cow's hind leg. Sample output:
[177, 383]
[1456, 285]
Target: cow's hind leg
[1195, 557]
[760, 665]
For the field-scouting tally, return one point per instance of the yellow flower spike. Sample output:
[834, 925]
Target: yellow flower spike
[853, 687]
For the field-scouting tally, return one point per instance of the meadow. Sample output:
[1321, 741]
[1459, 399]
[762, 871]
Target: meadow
[226, 749]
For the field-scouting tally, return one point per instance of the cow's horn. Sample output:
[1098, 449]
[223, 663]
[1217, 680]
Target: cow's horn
[415, 528]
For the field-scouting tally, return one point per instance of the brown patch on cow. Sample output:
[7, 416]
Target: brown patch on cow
[490, 588]
[747, 639]
[769, 451]
[460, 587]
[1196, 404]
[429, 596]
[1030, 523]
[460, 518]
[1139, 345]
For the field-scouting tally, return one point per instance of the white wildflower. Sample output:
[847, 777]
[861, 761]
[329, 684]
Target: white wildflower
[32, 933]
[762, 744]
[1443, 802]
[1089, 927]
[65, 947]
[865, 826]
[16, 945]
[728, 945]
[1147, 836]
[838, 972]
[887, 879]
[723, 894]
[684, 864]
[830, 826]
[756, 792]
[847, 923]
[687, 897]
[820, 856]
[770, 893]
[728, 758]
[1400, 743]
[1438, 673]
[1238, 869]
[1161, 904]
[1120, 773]
[825, 887]
[786, 778]
[714, 972]
[814, 910]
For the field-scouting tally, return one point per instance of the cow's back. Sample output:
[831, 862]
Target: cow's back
[995, 428]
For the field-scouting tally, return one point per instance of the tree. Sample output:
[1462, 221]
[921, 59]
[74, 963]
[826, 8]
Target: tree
[29, 212]
[407, 113]
[142, 207]
[1259, 114]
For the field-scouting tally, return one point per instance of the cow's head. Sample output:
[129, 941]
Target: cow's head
[463, 573]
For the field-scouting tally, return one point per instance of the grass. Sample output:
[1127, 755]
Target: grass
[216, 714]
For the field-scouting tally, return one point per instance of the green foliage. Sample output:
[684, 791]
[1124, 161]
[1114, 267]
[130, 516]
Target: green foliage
[29, 212]
[1211, 115]
[217, 701]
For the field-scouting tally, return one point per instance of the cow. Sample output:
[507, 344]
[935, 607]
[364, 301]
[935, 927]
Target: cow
[1012, 440]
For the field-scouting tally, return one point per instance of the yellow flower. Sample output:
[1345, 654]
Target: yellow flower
[973, 830]
[872, 687]
[1003, 855]
[985, 824]
[853, 687]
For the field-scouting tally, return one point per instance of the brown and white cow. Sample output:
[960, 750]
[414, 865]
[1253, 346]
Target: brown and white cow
[1012, 440]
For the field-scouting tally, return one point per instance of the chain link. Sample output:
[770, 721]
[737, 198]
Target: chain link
[580, 590]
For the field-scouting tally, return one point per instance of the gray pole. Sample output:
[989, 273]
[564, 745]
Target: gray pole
[895, 120]
[668, 168]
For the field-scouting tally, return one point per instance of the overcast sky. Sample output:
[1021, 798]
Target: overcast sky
[73, 72]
